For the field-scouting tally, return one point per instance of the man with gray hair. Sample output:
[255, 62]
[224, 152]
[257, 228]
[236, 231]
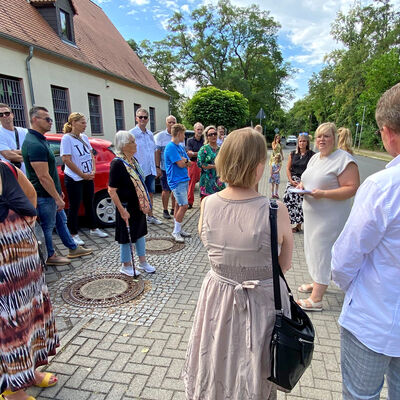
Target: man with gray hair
[366, 265]
[193, 146]
[162, 139]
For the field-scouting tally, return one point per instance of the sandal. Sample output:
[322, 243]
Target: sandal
[306, 288]
[309, 305]
[45, 383]
[9, 395]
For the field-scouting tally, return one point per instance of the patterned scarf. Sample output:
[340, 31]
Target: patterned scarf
[137, 178]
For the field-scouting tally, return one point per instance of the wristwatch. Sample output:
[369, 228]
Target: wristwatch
[157, 166]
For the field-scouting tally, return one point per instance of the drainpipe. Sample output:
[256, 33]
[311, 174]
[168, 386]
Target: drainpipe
[28, 68]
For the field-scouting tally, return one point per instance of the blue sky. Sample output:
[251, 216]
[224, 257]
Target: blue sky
[304, 36]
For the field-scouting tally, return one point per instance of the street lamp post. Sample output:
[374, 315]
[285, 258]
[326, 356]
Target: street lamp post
[362, 122]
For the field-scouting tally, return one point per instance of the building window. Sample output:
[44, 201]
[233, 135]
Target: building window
[135, 108]
[11, 94]
[60, 106]
[66, 26]
[152, 119]
[95, 113]
[119, 115]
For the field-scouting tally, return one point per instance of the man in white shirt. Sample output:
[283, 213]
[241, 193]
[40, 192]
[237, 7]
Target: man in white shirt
[162, 139]
[366, 265]
[11, 138]
[146, 148]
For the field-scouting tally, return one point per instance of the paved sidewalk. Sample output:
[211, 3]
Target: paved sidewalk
[137, 350]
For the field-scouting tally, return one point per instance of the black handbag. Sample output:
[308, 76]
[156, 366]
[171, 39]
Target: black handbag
[292, 342]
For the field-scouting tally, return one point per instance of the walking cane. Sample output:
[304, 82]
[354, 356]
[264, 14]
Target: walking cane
[130, 246]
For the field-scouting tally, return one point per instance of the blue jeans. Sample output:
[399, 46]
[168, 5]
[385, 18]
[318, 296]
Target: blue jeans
[125, 250]
[363, 370]
[181, 193]
[150, 182]
[50, 218]
[63, 231]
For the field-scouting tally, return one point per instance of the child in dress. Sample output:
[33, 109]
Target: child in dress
[275, 178]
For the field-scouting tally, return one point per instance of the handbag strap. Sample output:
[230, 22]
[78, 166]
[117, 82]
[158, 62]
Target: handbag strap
[276, 269]
[16, 137]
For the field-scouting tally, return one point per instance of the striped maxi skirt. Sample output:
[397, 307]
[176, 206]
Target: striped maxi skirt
[28, 335]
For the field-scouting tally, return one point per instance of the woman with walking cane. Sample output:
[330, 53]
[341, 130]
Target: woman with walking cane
[129, 194]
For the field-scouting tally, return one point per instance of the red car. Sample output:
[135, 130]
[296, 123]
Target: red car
[103, 154]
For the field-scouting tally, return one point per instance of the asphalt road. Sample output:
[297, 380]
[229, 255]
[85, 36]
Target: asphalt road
[367, 166]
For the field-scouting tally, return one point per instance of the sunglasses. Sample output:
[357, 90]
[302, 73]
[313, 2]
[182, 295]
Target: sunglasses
[5, 114]
[303, 134]
[142, 116]
[212, 134]
[47, 119]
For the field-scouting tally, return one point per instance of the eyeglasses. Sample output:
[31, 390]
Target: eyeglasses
[5, 114]
[47, 119]
[142, 116]
[303, 134]
[212, 134]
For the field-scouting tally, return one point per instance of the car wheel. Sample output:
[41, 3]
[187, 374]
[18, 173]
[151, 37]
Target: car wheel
[104, 210]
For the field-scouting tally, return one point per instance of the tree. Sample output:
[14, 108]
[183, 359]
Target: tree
[232, 48]
[212, 106]
[161, 62]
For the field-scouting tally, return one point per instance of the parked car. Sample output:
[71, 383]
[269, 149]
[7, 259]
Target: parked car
[104, 154]
[291, 140]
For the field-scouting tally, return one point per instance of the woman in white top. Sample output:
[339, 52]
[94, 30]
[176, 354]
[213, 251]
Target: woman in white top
[80, 170]
[333, 179]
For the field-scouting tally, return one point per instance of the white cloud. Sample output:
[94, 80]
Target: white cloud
[185, 8]
[131, 12]
[188, 89]
[139, 2]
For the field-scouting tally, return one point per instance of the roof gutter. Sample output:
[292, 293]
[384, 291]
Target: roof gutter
[28, 69]
[63, 57]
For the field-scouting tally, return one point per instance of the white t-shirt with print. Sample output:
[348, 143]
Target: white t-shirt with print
[7, 141]
[80, 155]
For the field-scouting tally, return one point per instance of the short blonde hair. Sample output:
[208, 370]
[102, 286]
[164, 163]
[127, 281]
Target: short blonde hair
[239, 157]
[75, 116]
[344, 140]
[329, 127]
[176, 128]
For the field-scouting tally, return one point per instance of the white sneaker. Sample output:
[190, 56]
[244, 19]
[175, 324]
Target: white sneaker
[78, 241]
[128, 270]
[185, 234]
[147, 267]
[153, 220]
[98, 232]
[178, 237]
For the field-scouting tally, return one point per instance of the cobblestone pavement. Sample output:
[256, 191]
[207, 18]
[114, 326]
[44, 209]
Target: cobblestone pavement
[136, 350]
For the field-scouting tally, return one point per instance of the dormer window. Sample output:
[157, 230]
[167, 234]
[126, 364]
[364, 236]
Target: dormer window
[65, 24]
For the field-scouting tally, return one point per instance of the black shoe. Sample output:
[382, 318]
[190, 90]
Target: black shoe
[166, 214]
[171, 212]
[190, 206]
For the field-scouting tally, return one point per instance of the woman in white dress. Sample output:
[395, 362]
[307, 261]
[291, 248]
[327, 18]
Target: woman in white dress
[333, 179]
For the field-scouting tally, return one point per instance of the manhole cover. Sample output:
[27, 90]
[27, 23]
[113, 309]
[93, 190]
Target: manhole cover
[162, 245]
[103, 290]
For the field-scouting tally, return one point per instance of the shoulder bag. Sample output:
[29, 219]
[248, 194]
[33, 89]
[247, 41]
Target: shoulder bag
[292, 343]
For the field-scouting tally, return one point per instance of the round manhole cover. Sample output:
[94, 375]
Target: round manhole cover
[104, 290]
[163, 245]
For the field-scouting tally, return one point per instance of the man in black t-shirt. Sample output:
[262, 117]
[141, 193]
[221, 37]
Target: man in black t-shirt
[41, 170]
[192, 148]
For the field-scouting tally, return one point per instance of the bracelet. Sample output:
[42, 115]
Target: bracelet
[157, 166]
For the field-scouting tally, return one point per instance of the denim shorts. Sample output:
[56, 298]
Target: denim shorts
[181, 193]
[150, 182]
[164, 182]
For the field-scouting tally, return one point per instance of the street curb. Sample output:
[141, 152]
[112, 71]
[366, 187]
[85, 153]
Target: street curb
[382, 157]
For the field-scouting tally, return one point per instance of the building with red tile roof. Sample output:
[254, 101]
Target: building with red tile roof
[67, 56]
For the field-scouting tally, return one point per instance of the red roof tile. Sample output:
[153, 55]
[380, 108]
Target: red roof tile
[98, 42]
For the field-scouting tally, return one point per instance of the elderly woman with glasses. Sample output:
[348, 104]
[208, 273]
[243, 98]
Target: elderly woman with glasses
[128, 191]
[209, 181]
[332, 179]
[296, 165]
